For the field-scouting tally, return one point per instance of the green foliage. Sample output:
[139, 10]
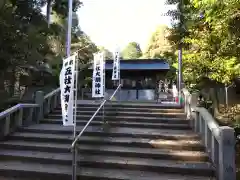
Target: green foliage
[209, 33]
[25, 38]
[108, 54]
[158, 44]
[132, 51]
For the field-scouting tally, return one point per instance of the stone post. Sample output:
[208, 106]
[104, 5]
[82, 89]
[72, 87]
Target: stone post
[39, 99]
[227, 164]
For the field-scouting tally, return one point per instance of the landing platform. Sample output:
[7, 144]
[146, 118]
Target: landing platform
[137, 102]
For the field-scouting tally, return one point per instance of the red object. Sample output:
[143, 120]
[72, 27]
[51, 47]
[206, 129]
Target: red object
[176, 99]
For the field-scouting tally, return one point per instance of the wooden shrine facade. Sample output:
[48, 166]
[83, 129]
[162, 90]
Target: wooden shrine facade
[139, 77]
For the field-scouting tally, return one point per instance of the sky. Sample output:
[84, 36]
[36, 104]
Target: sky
[112, 23]
[115, 23]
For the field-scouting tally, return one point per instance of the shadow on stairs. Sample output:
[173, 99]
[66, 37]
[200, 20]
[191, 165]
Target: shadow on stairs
[139, 142]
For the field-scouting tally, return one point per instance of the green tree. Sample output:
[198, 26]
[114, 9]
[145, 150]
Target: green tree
[209, 31]
[158, 44]
[108, 54]
[132, 51]
[26, 39]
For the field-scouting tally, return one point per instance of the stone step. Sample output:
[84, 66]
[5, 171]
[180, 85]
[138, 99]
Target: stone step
[125, 118]
[123, 124]
[133, 105]
[194, 145]
[129, 113]
[106, 150]
[113, 132]
[110, 162]
[129, 109]
[36, 171]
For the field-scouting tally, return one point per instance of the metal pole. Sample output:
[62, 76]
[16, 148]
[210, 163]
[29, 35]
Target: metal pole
[226, 96]
[68, 53]
[179, 72]
[119, 76]
[119, 82]
[49, 10]
[74, 153]
[104, 92]
[69, 28]
[180, 68]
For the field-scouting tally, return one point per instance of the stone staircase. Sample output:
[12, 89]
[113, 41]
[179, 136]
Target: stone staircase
[139, 142]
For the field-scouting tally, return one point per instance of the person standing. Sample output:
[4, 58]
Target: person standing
[174, 92]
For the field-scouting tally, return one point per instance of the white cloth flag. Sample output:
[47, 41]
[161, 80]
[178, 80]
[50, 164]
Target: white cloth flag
[98, 78]
[116, 66]
[67, 88]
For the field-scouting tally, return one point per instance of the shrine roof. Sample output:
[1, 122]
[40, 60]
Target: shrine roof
[139, 64]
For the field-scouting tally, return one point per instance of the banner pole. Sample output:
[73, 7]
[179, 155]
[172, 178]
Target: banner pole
[119, 76]
[74, 153]
[76, 94]
[104, 85]
[68, 52]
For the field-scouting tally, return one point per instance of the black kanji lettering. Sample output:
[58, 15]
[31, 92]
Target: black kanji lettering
[98, 68]
[71, 62]
[97, 85]
[67, 80]
[67, 89]
[97, 73]
[66, 98]
[98, 79]
[97, 91]
[66, 64]
[68, 71]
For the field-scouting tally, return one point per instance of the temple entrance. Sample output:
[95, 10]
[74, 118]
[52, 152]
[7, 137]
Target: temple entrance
[139, 79]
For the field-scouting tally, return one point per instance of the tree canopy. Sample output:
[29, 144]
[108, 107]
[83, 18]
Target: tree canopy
[132, 51]
[26, 39]
[108, 54]
[158, 44]
[209, 32]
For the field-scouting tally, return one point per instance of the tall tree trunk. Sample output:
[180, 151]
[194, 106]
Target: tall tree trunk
[12, 82]
[215, 100]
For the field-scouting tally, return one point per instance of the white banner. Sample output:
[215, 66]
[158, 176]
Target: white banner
[116, 66]
[98, 78]
[67, 88]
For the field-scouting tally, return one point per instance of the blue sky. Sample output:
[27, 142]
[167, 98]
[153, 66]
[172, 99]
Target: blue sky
[112, 23]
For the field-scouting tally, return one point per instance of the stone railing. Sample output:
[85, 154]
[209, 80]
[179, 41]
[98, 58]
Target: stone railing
[50, 101]
[219, 141]
[25, 114]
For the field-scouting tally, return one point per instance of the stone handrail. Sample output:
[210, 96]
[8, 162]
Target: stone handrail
[52, 93]
[15, 117]
[219, 141]
[24, 114]
[51, 101]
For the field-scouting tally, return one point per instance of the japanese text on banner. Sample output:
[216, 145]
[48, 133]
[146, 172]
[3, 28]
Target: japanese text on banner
[67, 80]
[98, 77]
[116, 66]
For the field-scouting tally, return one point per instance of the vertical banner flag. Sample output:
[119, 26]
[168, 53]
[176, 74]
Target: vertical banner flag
[98, 78]
[104, 75]
[67, 78]
[116, 66]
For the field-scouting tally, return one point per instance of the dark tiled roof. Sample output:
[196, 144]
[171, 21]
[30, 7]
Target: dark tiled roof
[140, 64]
